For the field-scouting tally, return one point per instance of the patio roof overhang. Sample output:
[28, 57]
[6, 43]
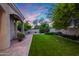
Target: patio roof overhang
[19, 15]
[16, 17]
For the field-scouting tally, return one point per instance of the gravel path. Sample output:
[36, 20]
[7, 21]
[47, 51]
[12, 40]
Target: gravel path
[18, 48]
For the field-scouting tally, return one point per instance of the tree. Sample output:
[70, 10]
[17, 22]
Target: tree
[44, 27]
[19, 25]
[27, 26]
[63, 14]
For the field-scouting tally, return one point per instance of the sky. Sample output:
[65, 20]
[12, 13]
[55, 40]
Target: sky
[33, 11]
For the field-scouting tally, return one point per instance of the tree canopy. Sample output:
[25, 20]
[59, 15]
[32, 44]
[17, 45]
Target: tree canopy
[62, 13]
[44, 27]
[27, 26]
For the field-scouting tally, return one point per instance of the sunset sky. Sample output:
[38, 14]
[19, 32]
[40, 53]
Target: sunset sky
[33, 11]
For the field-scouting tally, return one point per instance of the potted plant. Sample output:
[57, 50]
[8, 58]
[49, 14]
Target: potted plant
[20, 36]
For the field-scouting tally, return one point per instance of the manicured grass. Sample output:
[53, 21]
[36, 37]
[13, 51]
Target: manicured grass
[53, 45]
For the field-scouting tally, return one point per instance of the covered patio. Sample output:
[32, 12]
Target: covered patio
[9, 15]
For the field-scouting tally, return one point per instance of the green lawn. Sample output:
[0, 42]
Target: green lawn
[52, 45]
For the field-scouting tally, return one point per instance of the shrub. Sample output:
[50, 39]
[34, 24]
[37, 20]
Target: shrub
[50, 33]
[27, 26]
[20, 36]
[54, 33]
[44, 28]
[73, 37]
[19, 25]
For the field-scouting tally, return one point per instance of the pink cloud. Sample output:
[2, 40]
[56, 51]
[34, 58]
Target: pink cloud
[32, 17]
[41, 8]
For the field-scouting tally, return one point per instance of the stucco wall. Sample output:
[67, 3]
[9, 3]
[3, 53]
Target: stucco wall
[5, 32]
[70, 31]
[6, 27]
[12, 29]
[8, 11]
[7, 8]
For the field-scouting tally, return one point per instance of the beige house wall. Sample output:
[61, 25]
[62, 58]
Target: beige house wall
[70, 31]
[7, 26]
[13, 31]
[5, 32]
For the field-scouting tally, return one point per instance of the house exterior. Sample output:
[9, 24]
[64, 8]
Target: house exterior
[9, 15]
[73, 29]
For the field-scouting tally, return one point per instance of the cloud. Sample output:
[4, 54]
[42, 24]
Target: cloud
[42, 8]
[32, 17]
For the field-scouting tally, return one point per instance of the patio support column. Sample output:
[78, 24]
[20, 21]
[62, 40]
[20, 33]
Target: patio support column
[15, 29]
[23, 27]
[5, 31]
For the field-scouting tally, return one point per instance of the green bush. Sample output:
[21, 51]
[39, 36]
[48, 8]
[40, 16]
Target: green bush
[20, 36]
[49, 33]
[73, 37]
[44, 28]
[19, 25]
[27, 26]
[53, 33]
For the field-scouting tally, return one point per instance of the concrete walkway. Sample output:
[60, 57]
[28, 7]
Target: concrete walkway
[18, 48]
